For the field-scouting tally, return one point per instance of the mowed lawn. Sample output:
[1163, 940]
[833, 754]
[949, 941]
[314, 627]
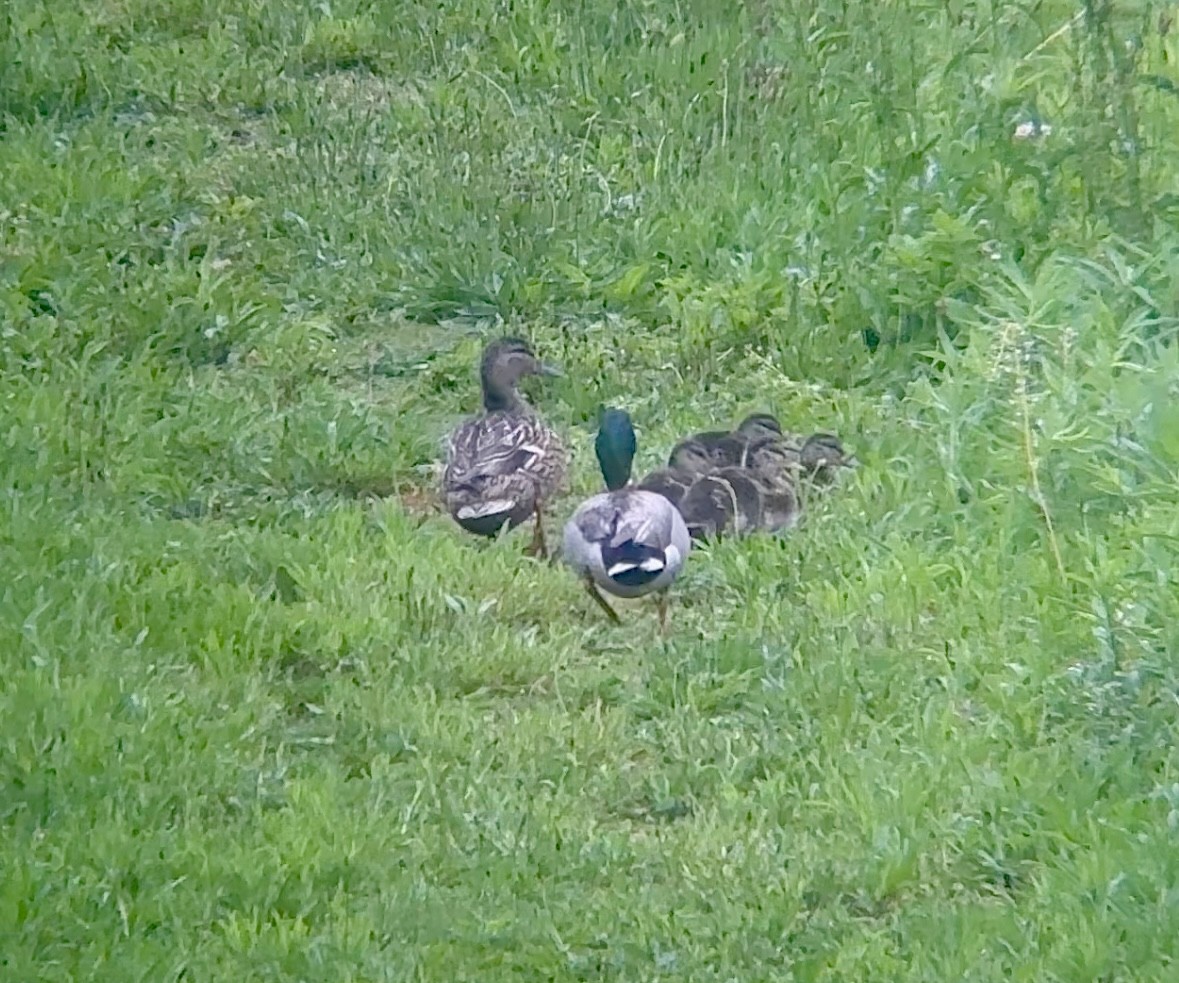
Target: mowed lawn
[266, 715]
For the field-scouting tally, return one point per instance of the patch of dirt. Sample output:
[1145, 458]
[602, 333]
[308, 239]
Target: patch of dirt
[359, 88]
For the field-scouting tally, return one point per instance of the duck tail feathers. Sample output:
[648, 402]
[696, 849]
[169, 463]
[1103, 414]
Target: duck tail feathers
[633, 564]
[484, 510]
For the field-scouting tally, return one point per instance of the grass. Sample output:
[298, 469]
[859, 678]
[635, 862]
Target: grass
[264, 716]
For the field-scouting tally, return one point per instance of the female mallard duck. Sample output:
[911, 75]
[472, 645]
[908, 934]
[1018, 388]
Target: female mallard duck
[626, 541]
[688, 461]
[727, 447]
[502, 466]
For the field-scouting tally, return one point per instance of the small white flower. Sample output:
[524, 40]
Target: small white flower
[1029, 129]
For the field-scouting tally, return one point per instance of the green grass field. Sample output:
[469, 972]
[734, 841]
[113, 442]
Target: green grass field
[264, 717]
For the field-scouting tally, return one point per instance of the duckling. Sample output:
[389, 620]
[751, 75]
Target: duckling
[823, 456]
[626, 541]
[759, 426]
[503, 465]
[774, 465]
[727, 500]
[727, 447]
[689, 459]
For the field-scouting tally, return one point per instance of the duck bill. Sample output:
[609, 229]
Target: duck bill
[551, 370]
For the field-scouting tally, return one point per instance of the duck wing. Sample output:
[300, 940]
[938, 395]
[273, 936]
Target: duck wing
[501, 463]
[629, 515]
[746, 494]
[631, 536]
[493, 445]
[726, 501]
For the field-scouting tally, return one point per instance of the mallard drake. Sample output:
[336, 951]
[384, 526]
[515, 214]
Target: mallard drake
[823, 456]
[774, 465]
[688, 461]
[727, 447]
[626, 541]
[503, 465]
